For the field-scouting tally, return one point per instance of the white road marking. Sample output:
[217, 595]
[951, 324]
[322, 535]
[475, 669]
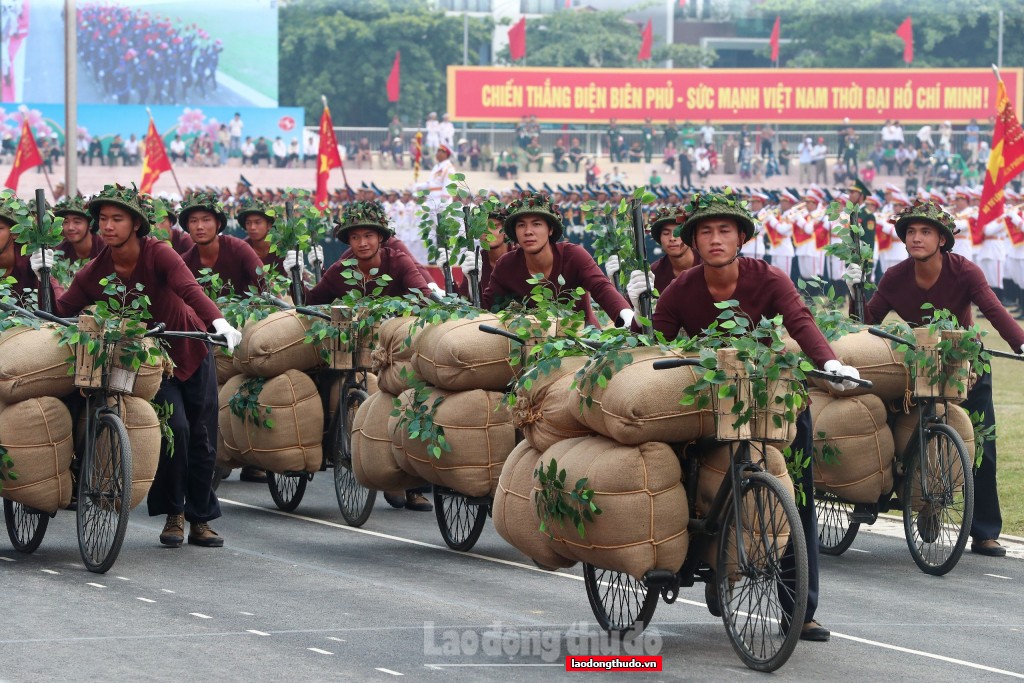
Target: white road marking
[7, 559]
[201, 616]
[389, 671]
[50, 571]
[124, 578]
[145, 600]
[166, 591]
[440, 667]
[519, 565]
[248, 614]
[318, 650]
[997, 576]
[96, 585]
[255, 632]
[337, 640]
[858, 550]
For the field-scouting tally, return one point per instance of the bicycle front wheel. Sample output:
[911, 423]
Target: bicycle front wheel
[622, 605]
[460, 521]
[763, 602]
[286, 489]
[104, 493]
[354, 499]
[835, 530]
[25, 527]
[938, 495]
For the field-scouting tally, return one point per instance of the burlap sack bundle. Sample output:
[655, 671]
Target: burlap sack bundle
[545, 412]
[457, 356]
[395, 433]
[32, 364]
[225, 365]
[143, 427]
[641, 404]
[478, 429]
[642, 525]
[862, 470]
[228, 454]
[293, 443]
[151, 375]
[372, 462]
[37, 435]
[393, 355]
[877, 361]
[515, 516]
[275, 344]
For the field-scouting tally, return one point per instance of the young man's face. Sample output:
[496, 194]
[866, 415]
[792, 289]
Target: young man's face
[5, 236]
[117, 225]
[257, 227]
[923, 240]
[75, 228]
[202, 227]
[672, 246]
[365, 243]
[717, 240]
[495, 235]
[533, 233]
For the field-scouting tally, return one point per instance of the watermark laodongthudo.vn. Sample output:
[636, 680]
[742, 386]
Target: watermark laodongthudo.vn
[580, 641]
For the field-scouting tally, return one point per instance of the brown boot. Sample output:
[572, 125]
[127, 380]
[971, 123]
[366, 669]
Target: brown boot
[417, 503]
[200, 533]
[173, 534]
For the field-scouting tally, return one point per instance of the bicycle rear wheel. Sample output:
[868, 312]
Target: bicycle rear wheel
[25, 527]
[287, 489]
[104, 493]
[938, 495]
[460, 521]
[354, 499]
[750, 575]
[622, 605]
[835, 530]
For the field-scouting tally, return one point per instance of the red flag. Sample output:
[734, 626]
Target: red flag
[1005, 161]
[774, 40]
[327, 157]
[906, 32]
[395, 79]
[682, 3]
[517, 40]
[646, 40]
[568, 4]
[154, 159]
[25, 157]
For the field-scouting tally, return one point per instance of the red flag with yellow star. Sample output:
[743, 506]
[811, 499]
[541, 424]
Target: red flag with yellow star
[154, 159]
[25, 157]
[327, 157]
[1005, 161]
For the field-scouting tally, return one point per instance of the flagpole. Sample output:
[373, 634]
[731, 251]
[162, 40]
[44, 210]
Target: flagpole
[173, 174]
[47, 176]
[344, 177]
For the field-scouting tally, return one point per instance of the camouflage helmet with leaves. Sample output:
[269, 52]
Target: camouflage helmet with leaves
[926, 212]
[125, 197]
[12, 209]
[363, 215]
[666, 217]
[202, 201]
[72, 206]
[250, 206]
[704, 205]
[533, 204]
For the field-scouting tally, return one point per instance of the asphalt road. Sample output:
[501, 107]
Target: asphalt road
[300, 596]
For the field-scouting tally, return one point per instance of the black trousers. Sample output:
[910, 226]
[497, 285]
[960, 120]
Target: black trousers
[988, 521]
[184, 479]
[808, 517]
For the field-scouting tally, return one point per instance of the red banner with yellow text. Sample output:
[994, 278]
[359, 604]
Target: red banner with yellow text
[727, 95]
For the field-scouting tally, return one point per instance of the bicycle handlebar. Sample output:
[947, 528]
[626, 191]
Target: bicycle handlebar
[669, 363]
[215, 339]
[490, 329]
[836, 377]
[285, 306]
[1004, 354]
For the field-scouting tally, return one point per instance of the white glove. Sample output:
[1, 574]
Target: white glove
[837, 368]
[638, 285]
[470, 263]
[43, 258]
[291, 259]
[442, 255]
[315, 255]
[232, 337]
[626, 316]
[611, 266]
[1022, 349]
[853, 275]
[435, 288]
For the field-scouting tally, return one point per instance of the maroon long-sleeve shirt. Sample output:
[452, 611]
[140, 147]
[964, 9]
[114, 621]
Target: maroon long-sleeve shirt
[25, 277]
[180, 240]
[405, 277]
[394, 244]
[276, 261]
[485, 277]
[70, 254]
[573, 263]
[960, 284]
[176, 299]
[663, 273]
[762, 291]
[236, 264]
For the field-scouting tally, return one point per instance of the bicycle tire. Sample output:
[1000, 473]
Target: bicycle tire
[761, 631]
[286, 489]
[835, 530]
[937, 525]
[25, 529]
[104, 493]
[460, 522]
[354, 500]
[622, 605]
[220, 473]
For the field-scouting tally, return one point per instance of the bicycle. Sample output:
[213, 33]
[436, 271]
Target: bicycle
[930, 483]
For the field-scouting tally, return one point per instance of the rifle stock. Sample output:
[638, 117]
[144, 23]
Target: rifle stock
[640, 247]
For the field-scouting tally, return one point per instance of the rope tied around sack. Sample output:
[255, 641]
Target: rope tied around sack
[524, 413]
[380, 358]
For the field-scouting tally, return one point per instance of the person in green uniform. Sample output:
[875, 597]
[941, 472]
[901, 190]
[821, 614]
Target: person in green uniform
[647, 135]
